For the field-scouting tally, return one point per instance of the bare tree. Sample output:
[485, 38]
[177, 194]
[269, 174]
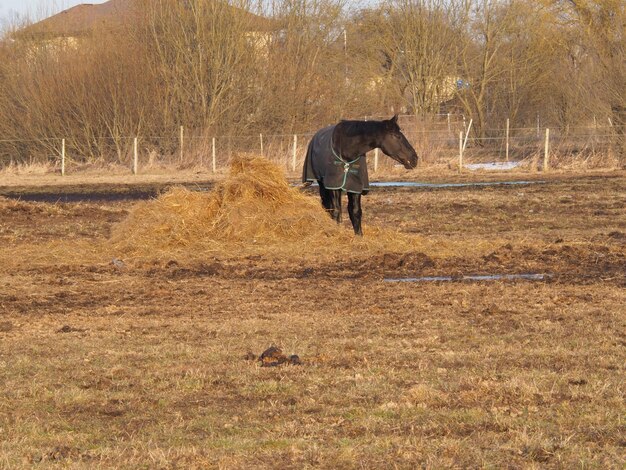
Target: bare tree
[602, 24]
[417, 43]
[201, 54]
[301, 75]
[488, 21]
[524, 65]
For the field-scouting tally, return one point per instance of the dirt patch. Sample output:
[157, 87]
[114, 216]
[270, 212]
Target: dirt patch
[273, 357]
[70, 329]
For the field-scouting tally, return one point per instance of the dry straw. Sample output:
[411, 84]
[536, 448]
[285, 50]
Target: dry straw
[254, 209]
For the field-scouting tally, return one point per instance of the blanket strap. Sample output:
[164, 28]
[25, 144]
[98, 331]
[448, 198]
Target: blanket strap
[346, 164]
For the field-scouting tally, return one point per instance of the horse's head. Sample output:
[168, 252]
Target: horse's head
[394, 144]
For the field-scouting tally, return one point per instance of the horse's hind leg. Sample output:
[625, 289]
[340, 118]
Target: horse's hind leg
[356, 212]
[335, 212]
[331, 200]
[325, 196]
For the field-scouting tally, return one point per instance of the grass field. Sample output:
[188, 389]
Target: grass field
[141, 363]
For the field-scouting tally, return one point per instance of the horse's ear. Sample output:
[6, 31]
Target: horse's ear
[392, 123]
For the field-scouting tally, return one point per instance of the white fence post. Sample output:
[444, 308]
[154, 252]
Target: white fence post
[507, 139]
[376, 159]
[546, 150]
[182, 143]
[62, 157]
[135, 156]
[537, 125]
[460, 151]
[469, 127]
[295, 153]
[261, 138]
[213, 155]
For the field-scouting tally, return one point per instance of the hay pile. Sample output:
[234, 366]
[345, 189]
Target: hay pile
[253, 207]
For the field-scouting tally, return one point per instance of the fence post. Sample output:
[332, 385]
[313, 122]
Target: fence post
[182, 142]
[546, 150]
[460, 151]
[469, 128]
[449, 129]
[62, 157]
[507, 139]
[537, 125]
[135, 156]
[376, 159]
[213, 154]
[261, 138]
[295, 152]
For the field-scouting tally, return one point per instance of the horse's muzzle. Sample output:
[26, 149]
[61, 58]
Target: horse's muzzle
[412, 163]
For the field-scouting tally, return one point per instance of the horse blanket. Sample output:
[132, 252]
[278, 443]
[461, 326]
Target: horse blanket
[323, 163]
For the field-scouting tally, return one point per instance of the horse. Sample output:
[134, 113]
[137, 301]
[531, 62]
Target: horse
[335, 158]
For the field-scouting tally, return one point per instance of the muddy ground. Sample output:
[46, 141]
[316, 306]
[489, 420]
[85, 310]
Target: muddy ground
[143, 363]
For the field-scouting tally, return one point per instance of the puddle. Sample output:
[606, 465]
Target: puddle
[413, 184]
[490, 277]
[493, 166]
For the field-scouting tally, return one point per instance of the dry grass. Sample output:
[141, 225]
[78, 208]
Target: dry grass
[150, 372]
[96, 176]
[26, 169]
[582, 159]
[48, 175]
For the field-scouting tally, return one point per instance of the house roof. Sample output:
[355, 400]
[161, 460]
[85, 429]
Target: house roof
[83, 19]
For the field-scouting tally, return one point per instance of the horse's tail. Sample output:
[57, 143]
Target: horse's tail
[307, 167]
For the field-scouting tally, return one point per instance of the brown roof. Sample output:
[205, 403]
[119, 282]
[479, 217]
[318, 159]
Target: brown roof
[82, 19]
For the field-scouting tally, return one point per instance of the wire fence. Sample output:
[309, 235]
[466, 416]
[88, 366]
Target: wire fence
[443, 139]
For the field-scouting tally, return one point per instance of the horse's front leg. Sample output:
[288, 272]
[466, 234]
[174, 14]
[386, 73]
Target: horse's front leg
[355, 211]
[335, 199]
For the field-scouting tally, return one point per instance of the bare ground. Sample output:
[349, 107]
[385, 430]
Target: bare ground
[140, 363]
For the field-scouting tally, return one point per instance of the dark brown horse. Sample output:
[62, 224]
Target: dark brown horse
[336, 160]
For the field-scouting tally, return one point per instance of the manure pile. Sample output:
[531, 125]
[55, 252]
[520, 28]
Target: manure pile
[253, 207]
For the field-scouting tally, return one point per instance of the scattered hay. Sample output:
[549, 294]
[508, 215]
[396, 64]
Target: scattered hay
[253, 207]
[15, 206]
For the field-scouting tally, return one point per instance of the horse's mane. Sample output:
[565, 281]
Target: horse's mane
[351, 128]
